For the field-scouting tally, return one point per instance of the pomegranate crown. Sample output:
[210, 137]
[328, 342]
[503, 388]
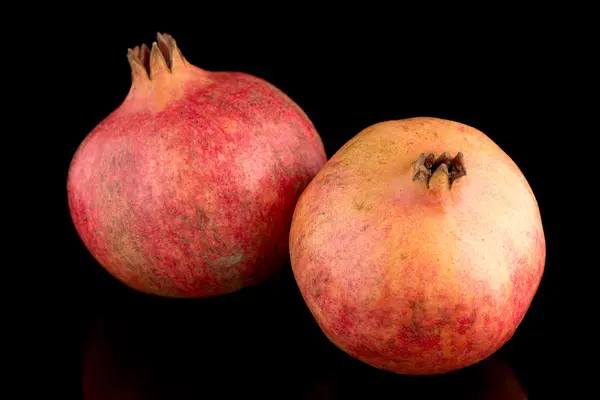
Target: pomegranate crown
[165, 57]
[441, 171]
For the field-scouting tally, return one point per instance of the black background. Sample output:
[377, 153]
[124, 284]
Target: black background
[504, 80]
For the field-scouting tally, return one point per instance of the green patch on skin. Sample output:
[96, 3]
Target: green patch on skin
[283, 167]
[218, 240]
[150, 281]
[201, 218]
[419, 330]
[413, 307]
[228, 261]
[297, 187]
[316, 286]
[256, 99]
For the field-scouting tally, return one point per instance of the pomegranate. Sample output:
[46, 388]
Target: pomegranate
[187, 189]
[419, 246]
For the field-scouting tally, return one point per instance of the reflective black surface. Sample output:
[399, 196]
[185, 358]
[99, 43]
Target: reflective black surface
[260, 342]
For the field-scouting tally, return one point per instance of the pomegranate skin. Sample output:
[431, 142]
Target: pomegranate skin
[412, 275]
[187, 189]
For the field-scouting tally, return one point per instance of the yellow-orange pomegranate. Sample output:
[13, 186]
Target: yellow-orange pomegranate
[419, 246]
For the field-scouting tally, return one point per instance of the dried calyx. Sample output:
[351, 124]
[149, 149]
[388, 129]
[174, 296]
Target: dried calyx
[427, 164]
[164, 55]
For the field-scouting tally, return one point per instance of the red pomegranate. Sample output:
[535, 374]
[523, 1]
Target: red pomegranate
[419, 246]
[187, 189]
